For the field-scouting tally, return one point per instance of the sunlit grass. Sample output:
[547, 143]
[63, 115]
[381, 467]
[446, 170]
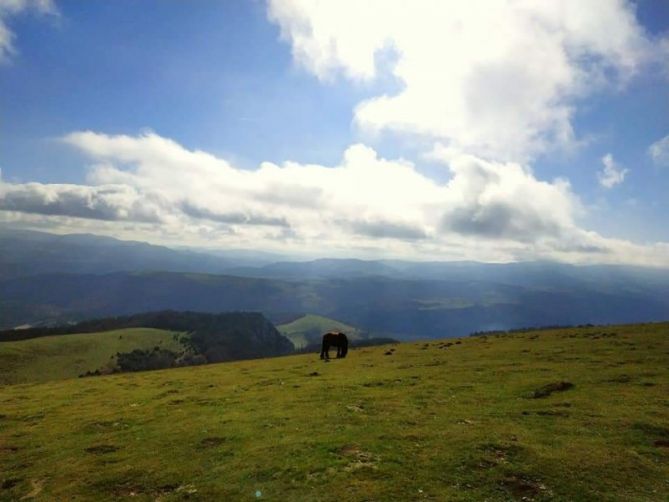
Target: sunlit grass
[57, 357]
[430, 421]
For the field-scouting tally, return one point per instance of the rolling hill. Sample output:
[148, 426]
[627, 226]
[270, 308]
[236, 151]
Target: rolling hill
[68, 356]
[146, 341]
[308, 329]
[567, 414]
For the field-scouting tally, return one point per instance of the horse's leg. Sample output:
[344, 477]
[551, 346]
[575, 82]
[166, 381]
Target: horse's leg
[323, 350]
[338, 351]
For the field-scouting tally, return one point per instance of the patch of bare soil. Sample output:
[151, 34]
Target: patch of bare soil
[102, 449]
[550, 388]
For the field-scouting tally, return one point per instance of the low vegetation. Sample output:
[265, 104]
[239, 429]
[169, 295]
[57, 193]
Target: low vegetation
[119, 344]
[435, 420]
[57, 357]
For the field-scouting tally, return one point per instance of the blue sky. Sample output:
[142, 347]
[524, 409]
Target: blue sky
[240, 81]
[212, 75]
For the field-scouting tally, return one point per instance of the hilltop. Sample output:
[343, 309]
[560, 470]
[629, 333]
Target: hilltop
[58, 357]
[566, 414]
[147, 341]
[307, 329]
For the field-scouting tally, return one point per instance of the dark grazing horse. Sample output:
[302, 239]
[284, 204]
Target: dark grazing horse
[336, 339]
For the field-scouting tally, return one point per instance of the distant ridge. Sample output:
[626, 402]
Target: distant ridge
[232, 327]
[47, 279]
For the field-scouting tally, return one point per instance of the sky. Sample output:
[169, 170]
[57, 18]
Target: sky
[492, 130]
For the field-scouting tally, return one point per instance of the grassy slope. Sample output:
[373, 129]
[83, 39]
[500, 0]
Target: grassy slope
[299, 330]
[67, 356]
[425, 423]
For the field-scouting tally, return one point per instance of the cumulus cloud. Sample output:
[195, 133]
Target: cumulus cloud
[9, 8]
[496, 78]
[659, 151]
[490, 211]
[106, 202]
[505, 201]
[612, 173]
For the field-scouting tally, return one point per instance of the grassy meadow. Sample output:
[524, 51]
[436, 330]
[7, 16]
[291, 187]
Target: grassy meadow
[68, 356]
[439, 420]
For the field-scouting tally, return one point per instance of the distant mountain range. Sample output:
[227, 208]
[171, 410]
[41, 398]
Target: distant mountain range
[51, 279]
[26, 252]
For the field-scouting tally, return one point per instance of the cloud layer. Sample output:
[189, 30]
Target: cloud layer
[496, 78]
[486, 211]
[488, 85]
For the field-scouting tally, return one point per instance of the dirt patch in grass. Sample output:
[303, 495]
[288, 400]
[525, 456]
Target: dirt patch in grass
[209, 402]
[550, 388]
[552, 413]
[488, 456]
[105, 426]
[212, 442]
[102, 449]
[358, 458]
[619, 379]
[500, 452]
[10, 483]
[377, 383]
[166, 393]
[522, 487]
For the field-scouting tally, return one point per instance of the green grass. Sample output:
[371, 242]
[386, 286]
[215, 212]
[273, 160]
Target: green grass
[68, 356]
[309, 328]
[428, 422]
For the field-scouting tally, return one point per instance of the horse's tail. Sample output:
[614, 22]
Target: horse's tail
[344, 348]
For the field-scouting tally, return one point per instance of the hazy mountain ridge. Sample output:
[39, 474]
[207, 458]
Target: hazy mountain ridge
[393, 297]
[25, 252]
[406, 308]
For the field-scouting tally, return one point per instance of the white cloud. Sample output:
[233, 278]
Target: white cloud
[612, 173]
[159, 190]
[659, 151]
[12, 7]
[496, 78]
